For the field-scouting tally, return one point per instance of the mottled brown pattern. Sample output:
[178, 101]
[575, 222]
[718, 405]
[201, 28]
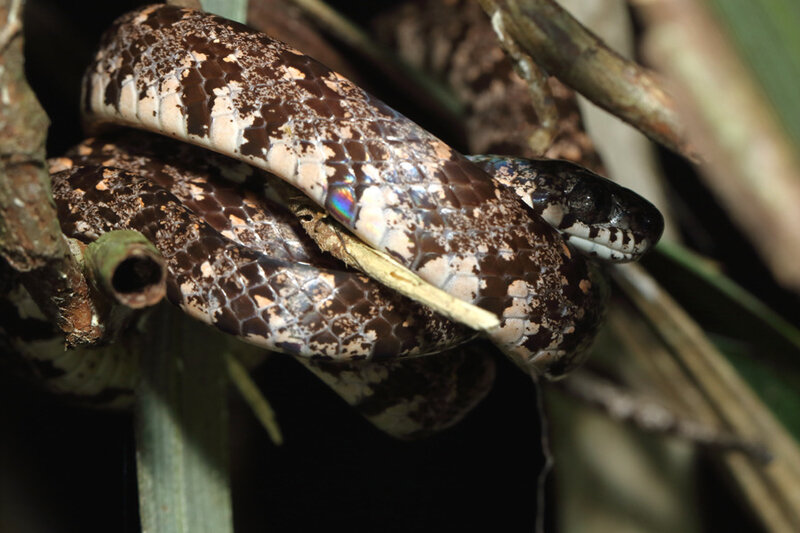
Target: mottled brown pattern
[281, 305]
[227, 194]
[220, 85]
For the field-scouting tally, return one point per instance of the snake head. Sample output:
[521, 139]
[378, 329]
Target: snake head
[596, 216]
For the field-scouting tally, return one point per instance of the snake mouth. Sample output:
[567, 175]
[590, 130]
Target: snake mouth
[602, 250]
[618, 243]
[613, 240]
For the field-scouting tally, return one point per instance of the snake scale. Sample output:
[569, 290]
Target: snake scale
[217, 84]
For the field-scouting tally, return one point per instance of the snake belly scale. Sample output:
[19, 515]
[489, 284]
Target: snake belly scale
[220, 85]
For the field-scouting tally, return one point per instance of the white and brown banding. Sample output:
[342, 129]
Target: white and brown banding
[220, 85]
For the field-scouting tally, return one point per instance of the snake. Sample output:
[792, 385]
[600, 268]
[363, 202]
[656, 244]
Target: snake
[220, 85]
[278, 114]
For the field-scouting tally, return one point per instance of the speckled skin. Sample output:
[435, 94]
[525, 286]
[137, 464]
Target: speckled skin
[220, 85]
[278, 304]
[234, 198]
[405, 397]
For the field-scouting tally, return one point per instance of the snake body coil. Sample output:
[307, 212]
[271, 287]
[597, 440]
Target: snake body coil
[220, 85]
[236, 259]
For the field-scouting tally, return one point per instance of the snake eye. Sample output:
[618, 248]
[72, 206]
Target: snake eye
[589, 202]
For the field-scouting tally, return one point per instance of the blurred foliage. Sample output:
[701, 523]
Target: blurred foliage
[766, 34]
[762, 345]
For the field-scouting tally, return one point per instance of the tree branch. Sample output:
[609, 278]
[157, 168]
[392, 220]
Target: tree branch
[30, 238]
[566, 49]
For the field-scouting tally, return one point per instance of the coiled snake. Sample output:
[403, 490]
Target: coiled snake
[219, 85]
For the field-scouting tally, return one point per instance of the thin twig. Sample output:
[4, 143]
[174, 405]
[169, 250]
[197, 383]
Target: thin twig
[652, 416]
[13, 24]
[536, 79]
[333, 238]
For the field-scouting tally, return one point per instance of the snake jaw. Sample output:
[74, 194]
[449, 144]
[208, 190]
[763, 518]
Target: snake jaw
[602, 251]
